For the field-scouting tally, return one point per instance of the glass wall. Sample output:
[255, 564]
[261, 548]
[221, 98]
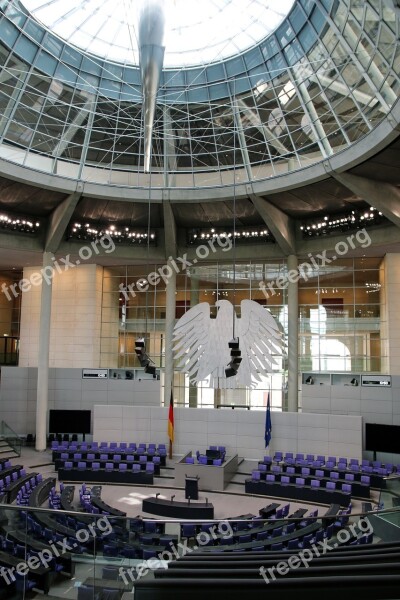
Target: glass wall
[339, 309]
[10, 311]
[339, 318]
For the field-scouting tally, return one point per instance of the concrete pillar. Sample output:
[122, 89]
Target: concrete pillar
[293, 337]
[390, 315]
[169, 328]
[194, 300]
[42, 400]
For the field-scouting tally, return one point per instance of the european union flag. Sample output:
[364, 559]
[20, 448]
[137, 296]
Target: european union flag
[268, 424]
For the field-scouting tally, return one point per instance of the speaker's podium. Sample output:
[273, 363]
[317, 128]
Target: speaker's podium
[192, 487]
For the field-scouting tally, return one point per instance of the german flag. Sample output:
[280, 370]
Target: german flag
[171, 420]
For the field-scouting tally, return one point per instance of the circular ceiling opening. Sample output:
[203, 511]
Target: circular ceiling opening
[197, 33]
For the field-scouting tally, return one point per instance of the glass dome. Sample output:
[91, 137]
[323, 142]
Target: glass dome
[319, 85]
[196, 32]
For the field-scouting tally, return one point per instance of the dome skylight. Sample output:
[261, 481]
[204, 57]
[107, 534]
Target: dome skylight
[197, 32]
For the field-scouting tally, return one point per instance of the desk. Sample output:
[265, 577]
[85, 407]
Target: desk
[358, 489]
[56, 454]
[59, 464]
[294, 492]
[210, 476]
[42, 575]
[67, 497]
[115, 476]
[96, 501]
[376, 481]
[41, 492]
[14, 487]
[101, 584]
[328, 517]
[178, 510]
[298, 514]
[269, 510]
[297, 533]
[21, 537]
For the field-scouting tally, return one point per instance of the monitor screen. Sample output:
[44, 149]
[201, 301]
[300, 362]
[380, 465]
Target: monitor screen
[69, 421]
[382, 438]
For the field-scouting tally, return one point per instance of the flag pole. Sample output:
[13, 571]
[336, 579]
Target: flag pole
[171, 432]
[170, 450]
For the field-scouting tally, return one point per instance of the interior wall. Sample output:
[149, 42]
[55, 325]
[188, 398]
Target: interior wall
[67, 390]
[241, 431]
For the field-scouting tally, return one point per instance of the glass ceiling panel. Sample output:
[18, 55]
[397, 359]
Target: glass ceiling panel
[197, 32]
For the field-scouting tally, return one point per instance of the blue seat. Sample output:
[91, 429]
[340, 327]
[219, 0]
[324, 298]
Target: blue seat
[147, 553]
[110, 550]
[23, 583]
[188, 530]
[276, 546]
[290, 527]
[87, 592]
[110, 594]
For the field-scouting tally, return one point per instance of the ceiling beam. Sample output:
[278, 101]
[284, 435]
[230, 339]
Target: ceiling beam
[279, 223]
[59, 221]
[383, 196]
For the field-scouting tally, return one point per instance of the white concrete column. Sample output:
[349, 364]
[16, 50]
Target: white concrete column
[194, 300]
[293, 337]
[169, 328]
[390, 314]
[42, 400]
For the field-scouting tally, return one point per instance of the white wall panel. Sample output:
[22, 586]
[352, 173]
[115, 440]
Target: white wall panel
[196, 429]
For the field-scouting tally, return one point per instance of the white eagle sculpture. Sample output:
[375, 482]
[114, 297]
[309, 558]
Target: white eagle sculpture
[201, 343]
